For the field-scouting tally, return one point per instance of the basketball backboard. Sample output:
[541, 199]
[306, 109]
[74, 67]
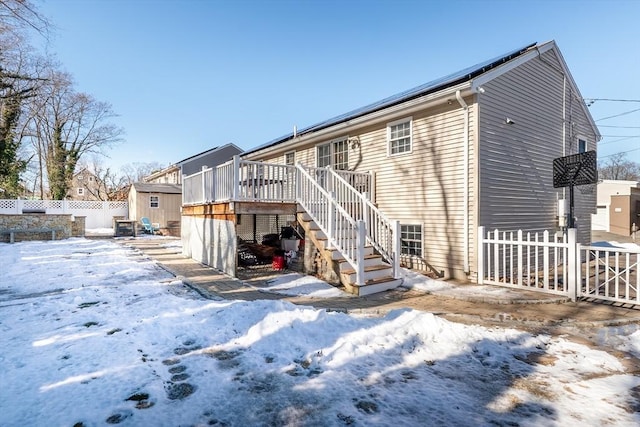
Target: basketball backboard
[575, 169]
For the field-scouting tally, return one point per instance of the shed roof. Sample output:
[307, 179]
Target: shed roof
[148, 187]
[453, 79]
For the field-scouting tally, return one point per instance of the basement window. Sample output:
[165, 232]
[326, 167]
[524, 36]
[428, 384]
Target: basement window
[411, 239]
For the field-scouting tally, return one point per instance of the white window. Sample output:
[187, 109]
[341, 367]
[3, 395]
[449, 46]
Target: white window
[399, 136]
[90, 179]
[80, 177]
[334, 154]
[411, 239]
[154, 202]
[582, 145]
[290, 158]
[80, 191]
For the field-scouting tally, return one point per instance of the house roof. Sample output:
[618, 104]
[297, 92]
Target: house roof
[161, 172]
[450, 80]
[147, 187]
[211, 150]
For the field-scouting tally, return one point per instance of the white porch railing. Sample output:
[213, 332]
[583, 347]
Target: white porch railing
[344, 233]
[538, 262]
[238, 180]
[338, 201]
[381, 232]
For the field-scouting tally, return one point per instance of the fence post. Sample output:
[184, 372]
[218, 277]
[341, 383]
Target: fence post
[572, 265]
[520, 249]
[480, 256]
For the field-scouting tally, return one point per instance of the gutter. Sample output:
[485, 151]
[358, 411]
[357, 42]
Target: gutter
[405, 108]
[465, 234]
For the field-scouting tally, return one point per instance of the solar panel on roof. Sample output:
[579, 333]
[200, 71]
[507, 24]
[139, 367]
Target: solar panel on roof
[424, 89]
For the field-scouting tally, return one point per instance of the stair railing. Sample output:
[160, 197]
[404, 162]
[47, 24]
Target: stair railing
[381, 232]
[344, 233]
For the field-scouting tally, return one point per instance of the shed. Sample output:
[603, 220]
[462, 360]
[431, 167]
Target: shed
[159, 202]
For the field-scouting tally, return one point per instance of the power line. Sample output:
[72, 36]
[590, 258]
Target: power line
[617, 140]
[610, 99]
[619, 127]
[622, 152]
[618, 115]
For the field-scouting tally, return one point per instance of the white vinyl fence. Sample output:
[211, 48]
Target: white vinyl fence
[557, 264]
[98, 214]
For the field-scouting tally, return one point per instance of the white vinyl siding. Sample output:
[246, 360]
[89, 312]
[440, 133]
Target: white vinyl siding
[425, 187]
[399, 137]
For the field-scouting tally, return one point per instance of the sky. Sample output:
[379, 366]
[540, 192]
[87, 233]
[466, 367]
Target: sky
[186, 76]
[94, 333]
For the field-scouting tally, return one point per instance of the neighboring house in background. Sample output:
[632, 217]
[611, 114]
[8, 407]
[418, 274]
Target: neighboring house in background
[618, 206]
[159, 202]
[168, 175]
[85, 186]
[474, 148]
[207, 159]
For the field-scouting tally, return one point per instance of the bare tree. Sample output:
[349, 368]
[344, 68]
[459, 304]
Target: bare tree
[136, 172]
[18, 82]
[68, 125]
[619, 168]
[16, 15]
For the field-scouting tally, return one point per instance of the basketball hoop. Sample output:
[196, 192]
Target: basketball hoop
[576, 170]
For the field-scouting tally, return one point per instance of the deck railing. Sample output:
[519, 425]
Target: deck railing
[338, 201]
[238, 180]
[344, 233]
[381, 232]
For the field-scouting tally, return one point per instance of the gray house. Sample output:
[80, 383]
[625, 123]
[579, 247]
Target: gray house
[421, 170]
[210, 158]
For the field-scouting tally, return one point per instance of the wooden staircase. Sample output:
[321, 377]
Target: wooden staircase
[378, 275]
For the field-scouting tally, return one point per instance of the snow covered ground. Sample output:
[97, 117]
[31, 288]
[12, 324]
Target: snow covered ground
[94, 334]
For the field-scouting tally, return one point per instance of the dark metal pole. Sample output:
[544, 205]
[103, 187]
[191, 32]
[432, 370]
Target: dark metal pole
[571, 222]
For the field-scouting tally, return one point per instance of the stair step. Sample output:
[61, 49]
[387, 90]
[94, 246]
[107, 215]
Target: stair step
[335, 255]
[369, 260]
[373, 286]
[369, 268]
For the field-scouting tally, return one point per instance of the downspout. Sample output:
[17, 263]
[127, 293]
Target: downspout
[465, 234]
